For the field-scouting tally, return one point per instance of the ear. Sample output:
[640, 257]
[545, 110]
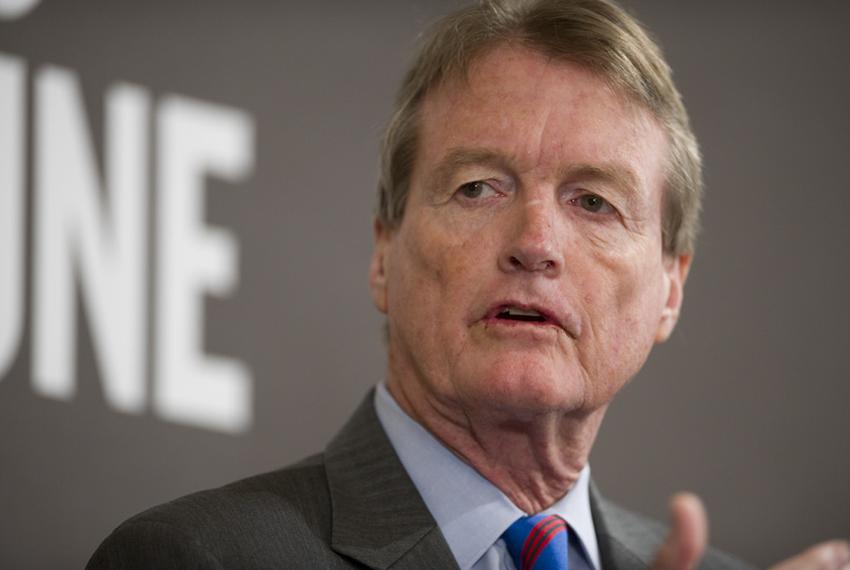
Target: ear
[378, 266]
[675, 274]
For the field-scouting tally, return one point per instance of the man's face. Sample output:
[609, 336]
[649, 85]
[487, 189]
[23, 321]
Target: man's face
[527, 274]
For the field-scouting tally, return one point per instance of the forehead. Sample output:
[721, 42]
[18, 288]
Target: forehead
[540, 115]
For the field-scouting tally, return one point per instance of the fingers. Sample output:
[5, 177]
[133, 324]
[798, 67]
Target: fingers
[832, 555]
[685, 545]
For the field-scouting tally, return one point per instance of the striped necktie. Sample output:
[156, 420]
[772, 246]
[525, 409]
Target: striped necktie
[538, 542]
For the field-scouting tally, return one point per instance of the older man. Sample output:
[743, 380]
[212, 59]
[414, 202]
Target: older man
[538, 207]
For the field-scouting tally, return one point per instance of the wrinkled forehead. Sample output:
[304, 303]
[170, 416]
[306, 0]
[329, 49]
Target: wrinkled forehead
[532, 110]
[463, 70]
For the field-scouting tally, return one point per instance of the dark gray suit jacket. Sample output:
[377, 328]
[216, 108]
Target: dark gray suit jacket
[354, 506]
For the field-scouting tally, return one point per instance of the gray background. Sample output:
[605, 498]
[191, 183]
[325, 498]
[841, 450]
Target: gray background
[746, 405]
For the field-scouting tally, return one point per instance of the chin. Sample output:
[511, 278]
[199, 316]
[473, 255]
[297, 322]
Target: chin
[524, 386]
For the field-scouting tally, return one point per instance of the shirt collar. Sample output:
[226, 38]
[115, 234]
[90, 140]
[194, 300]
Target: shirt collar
[471, 512]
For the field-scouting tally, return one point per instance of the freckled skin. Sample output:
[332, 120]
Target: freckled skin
[523, 404]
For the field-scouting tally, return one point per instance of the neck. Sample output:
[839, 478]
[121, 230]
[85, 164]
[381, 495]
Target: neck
[534, 459]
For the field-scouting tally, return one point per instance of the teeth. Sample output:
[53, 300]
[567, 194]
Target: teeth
[514, 312]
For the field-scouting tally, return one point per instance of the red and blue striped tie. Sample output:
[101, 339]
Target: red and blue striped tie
[538, 542]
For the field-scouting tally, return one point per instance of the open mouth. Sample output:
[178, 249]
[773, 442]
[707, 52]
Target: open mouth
[524, 315]
[529, 316]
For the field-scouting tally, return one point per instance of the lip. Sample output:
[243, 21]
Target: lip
[551, 315]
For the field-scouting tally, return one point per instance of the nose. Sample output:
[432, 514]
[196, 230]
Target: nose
[533, 245]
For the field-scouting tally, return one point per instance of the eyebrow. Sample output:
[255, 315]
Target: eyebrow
[621, 177]
[460, 157]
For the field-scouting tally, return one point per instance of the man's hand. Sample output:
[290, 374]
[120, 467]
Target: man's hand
[688, 537]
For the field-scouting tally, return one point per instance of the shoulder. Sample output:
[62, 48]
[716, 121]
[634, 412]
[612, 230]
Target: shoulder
[238, 525]
[627, 536]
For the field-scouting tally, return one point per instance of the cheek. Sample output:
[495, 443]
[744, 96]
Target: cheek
[634, 278]
[449, 258]
[430, 292]
[429, 285]
[624, 306]
[642, 304]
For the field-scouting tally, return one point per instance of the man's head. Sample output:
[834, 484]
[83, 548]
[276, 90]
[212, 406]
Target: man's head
[525, 255]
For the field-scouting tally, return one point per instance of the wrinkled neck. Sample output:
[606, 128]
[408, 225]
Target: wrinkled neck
[534, 460]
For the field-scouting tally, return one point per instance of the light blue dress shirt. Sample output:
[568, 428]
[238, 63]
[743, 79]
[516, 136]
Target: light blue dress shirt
[471, 512]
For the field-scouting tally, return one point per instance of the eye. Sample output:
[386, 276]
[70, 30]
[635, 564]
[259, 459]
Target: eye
[475, 190]
[593, 203]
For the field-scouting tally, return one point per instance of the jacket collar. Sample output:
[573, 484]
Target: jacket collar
[378, 517]
[626, 541]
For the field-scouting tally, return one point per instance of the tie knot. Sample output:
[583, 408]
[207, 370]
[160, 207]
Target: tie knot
[538, 542]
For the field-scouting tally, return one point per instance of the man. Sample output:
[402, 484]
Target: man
[537, 212]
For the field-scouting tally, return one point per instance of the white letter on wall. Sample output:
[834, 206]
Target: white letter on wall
[102, 235]
[196, 139]
[11, 206]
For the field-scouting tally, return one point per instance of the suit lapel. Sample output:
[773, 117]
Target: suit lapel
[379, 517]
[380, 520]
[626, 541]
